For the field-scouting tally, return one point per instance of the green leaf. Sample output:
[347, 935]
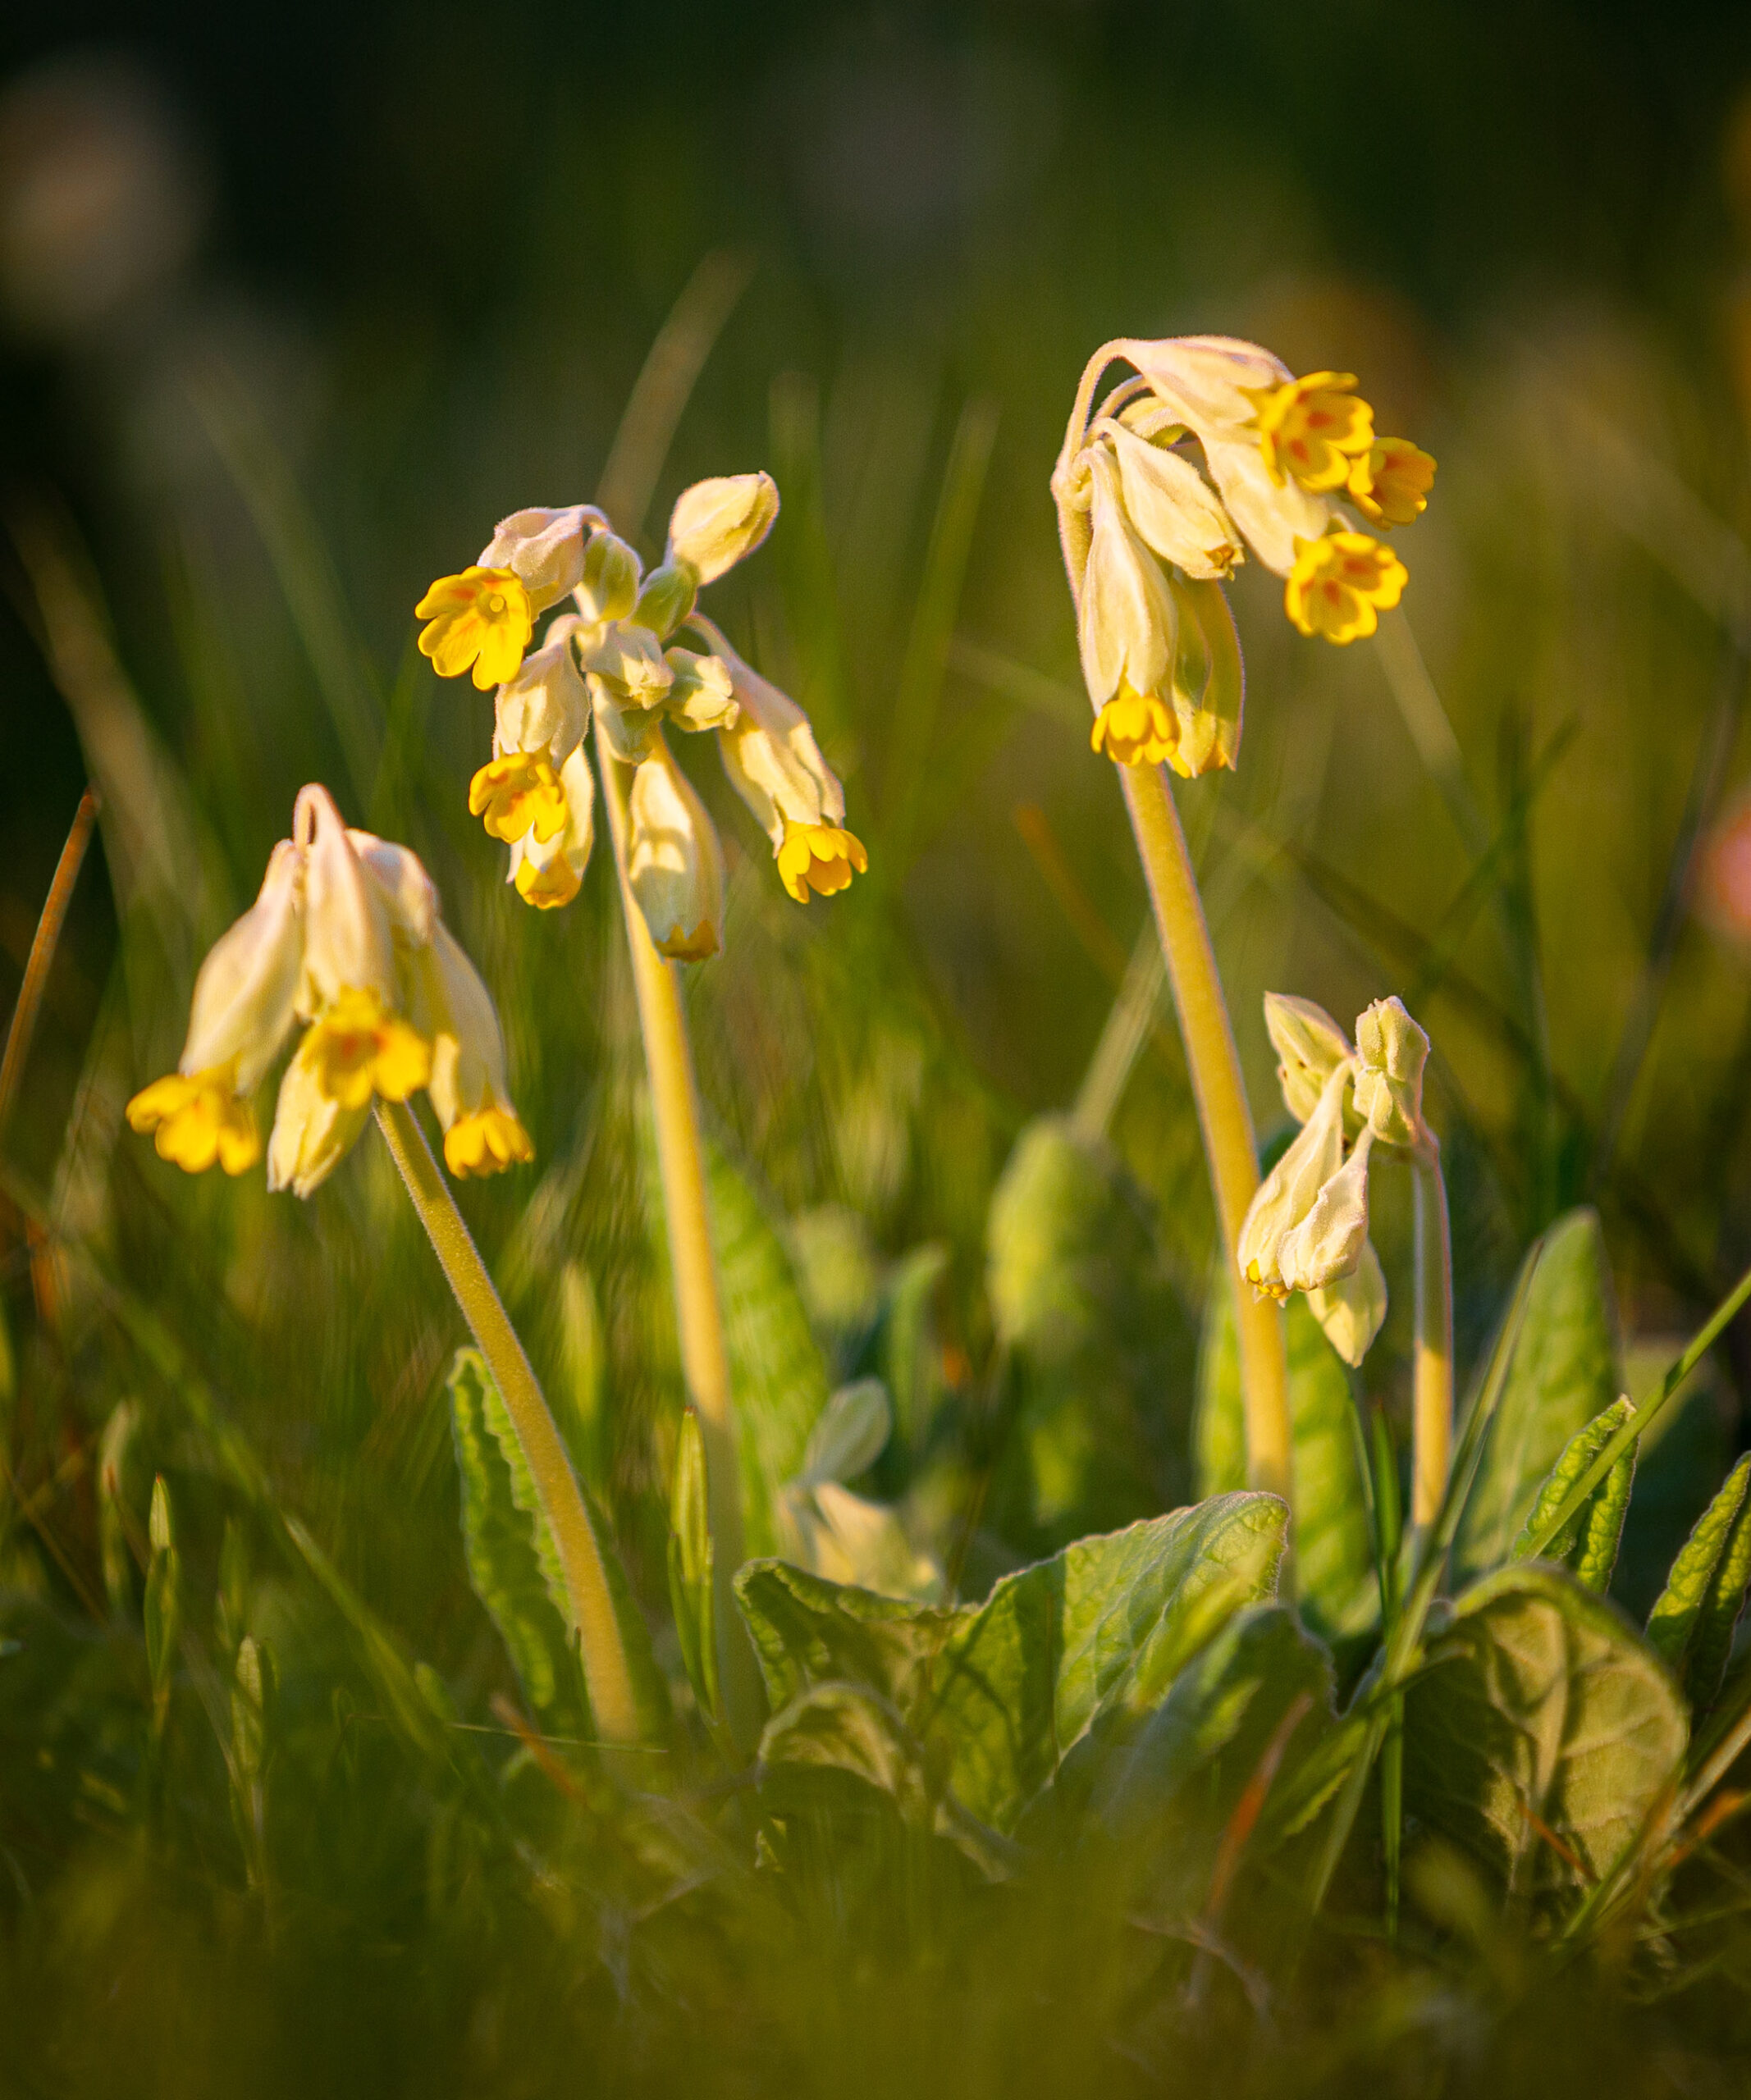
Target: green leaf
[1694, 1618]
[163, 1612]
[1335, 1573]
[1565, 1372]
[1001, 1694]
[512, 1564]
[117, 1463]
[691, 1561]
[1542, 1730]
[1098, 1345]
[850, 1434]
[904, 1341]
[1588, 1543]
[777, 1372]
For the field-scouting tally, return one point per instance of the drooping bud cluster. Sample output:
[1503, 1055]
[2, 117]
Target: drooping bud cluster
[612, 664]
[345, 938]
[1307, 1227]
[1282, 457]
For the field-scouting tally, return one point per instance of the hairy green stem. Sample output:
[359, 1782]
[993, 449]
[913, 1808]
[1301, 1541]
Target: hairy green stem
[1432, 1373]
[699, 1315]
[606, 1674]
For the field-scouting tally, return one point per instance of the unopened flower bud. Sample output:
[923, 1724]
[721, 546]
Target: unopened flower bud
[674, 864]
[1327, 1242]
[1289, 1192]
[1353, 1309]
[1173, 507]
[1391, 1051]
[703, 696]
[1309, 1046]
[1128, 623]
[607, 587]
[546, 707]
[715, 523]
[667, 598]
[347, 946]
[242, 1010]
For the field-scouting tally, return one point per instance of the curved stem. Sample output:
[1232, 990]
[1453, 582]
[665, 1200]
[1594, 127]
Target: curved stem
[1222, 1113]
[1432, 1374]
[606, 1674]
[705, 1358]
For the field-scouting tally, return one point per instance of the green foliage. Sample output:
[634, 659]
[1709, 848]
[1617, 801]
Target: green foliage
[1541, 1732]
[1588, 1543]
[1565, 1372]
[512, 1562]
[691, 1559]
[1096, 1338]
[1002, 1693]
[1693, 1617]
[1335, 1574]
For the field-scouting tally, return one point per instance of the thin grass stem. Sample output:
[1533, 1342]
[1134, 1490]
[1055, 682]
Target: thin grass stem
[607, 1674]
[1432, 1372]
[44, 942]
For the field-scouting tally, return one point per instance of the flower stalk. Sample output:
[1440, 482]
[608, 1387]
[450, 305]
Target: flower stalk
[606, 1673]
[1213, 1064]
[699, 1318]
[1432, 1372]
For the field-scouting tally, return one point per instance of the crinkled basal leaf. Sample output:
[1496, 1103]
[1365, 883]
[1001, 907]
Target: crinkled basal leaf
[498, 1540]
[513, 1563]
[1096, 1341]
[1235, 1692]
[1542, 1729]
[1002, 1693]
[1693, 1620]
[1588, 1543]
[1334, 1562]
[835, 1731]
[1565, 1371]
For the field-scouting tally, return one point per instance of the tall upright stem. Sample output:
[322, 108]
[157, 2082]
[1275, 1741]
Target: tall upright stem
[1223, 1112]
[699, 1315]
[606, 1674]
[1224, 1116]
[1432, 1370]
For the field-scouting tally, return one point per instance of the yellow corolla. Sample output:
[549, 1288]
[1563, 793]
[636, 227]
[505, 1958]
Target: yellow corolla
[1390, 485]
[1341, 583]
[199, 1121]
[356, 1048]
[482, 617]
[516, 794]
[1311, 429]
[820, 857]
[487, 1143]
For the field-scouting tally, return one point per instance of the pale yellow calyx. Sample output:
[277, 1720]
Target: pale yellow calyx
[356, 1048]
[487, 1143]
[1341, 583]
[1390, 483]
[198, 1120]
[1311, 429]
[819, 857]
[516, 794]
[482, 617]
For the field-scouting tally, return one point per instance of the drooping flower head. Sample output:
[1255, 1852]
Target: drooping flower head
[1212, 447]
[1306, 1229]
[612, 664]
[343, 939]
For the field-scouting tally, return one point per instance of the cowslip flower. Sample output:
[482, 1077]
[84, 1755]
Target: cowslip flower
[1281, 457]
[482, 619]
[343, 938]
[613, 664]
[1306, 1229]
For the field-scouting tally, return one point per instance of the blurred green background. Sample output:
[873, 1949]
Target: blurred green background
[297, 305]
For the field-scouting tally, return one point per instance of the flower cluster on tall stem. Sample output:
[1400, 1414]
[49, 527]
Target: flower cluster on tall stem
[612, 662]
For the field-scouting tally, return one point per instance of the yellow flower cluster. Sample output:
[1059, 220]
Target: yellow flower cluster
[1213, 447]
[611, 663]
[346, 938]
